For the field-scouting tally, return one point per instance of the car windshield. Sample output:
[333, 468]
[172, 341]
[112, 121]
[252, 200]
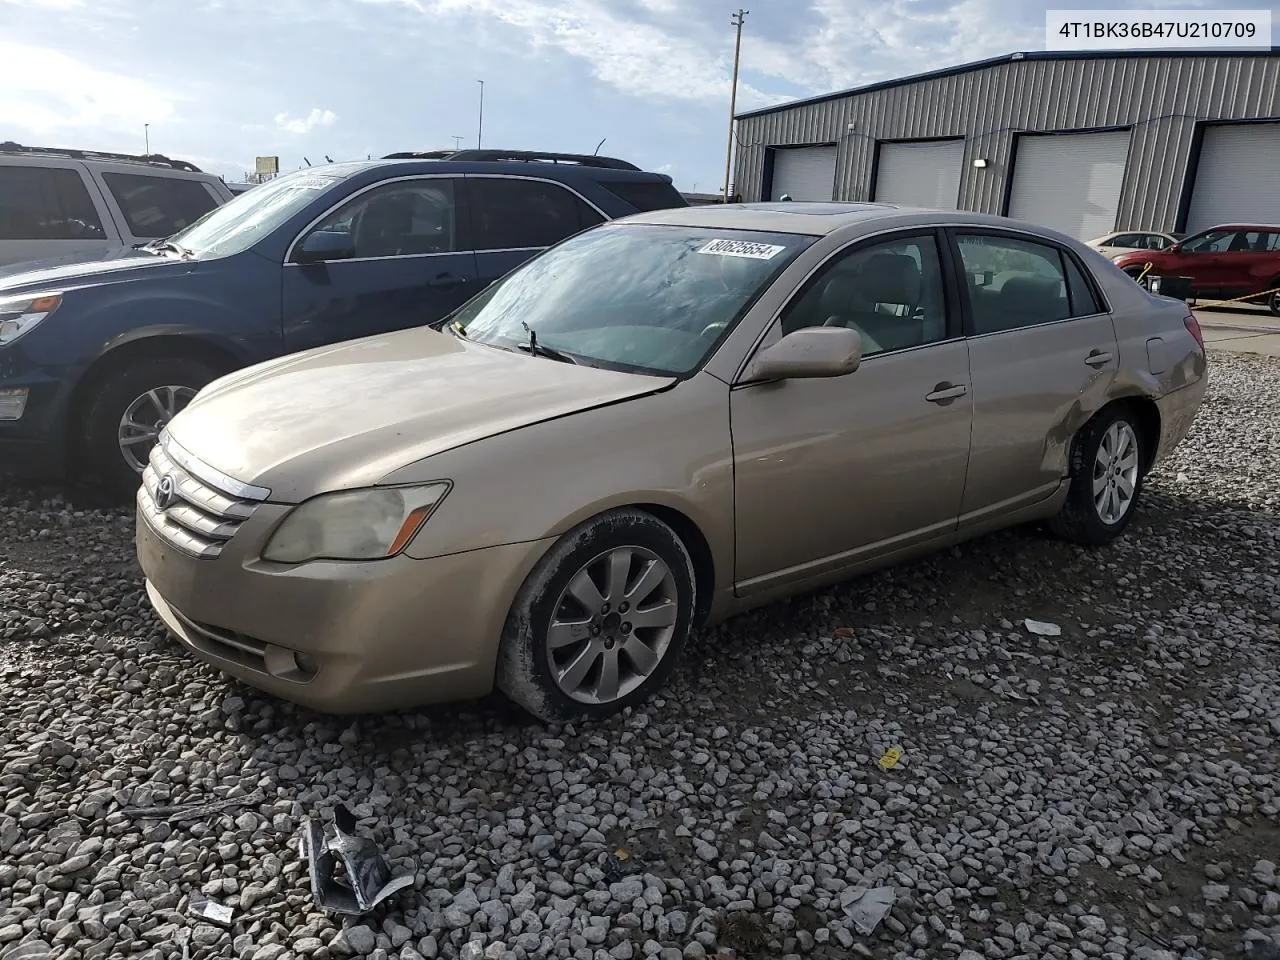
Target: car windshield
[639, 297]
[244, 220]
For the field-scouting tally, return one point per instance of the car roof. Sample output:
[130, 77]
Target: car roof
[817, 218]
[534, 168]
[1242, 226]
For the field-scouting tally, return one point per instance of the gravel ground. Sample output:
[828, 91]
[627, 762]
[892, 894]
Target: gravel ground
[1110, 792]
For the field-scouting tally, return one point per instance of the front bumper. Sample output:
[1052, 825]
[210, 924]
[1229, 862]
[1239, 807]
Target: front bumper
[338, 637]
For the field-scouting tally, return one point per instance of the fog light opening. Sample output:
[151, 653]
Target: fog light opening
[287, 664]
[13, 403]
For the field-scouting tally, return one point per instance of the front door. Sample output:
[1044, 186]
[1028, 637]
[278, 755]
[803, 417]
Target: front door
[407, 264]
[830, 472]
[1043, 354]
[1206, 258]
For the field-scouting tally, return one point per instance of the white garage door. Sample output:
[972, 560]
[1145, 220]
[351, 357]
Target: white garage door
[1070, 182]
[920, 174]
[804, 173]
[1238, 177]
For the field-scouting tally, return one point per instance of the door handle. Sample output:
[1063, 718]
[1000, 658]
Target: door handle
[1098, 358]
[945, 392]
[446, 280]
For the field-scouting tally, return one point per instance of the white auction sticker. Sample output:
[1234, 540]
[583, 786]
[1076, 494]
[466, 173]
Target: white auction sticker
[741, 248]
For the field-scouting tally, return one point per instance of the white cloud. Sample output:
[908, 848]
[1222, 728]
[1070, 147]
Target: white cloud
[642, 59]
[316, 118]
[47, 92]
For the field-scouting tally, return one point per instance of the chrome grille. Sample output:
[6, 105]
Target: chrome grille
[200, 518]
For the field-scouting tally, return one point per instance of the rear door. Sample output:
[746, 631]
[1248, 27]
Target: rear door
[1043, 354]
[150, 206]
[50, 209]
[513, 218]
[410, 264]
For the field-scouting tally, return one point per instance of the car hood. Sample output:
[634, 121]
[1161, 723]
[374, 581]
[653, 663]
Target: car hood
[75, 269]
[346, 416]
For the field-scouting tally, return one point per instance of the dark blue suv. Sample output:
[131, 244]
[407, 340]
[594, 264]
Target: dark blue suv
[97, 355]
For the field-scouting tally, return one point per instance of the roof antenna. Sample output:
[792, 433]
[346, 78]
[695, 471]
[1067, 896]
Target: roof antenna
[596, 151]
[328, 158]
[306, 161]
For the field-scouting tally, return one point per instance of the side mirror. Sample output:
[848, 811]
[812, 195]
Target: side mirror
[807, 353]
[1173, 248]
[326, 245]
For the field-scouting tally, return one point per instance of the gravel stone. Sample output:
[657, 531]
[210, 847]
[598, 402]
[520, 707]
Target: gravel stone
[1096, 795]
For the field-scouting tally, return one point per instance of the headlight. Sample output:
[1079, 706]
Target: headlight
[354, 525]
[20, 314]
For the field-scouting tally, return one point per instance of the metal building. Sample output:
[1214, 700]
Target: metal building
[1085, 143]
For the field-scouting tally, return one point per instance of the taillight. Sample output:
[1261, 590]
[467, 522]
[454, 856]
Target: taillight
[1193, 328]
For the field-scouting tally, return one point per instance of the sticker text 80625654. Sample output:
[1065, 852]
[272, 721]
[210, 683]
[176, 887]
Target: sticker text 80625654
[741, 248]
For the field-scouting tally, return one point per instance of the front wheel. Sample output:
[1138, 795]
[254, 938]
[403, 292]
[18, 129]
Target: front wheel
[127, 413]
[1106, 480]
[600, 622]
[1273, 301]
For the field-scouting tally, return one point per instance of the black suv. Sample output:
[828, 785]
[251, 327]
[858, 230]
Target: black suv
[98, 354]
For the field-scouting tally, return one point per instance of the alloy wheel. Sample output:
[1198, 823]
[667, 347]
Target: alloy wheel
[612, 625]
[144, 419]
[1115, 473]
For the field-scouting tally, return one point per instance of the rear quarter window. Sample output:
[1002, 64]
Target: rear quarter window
[156, 207]
[646, 195]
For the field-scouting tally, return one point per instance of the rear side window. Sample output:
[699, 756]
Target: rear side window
[646, 194]
[158, 206]
[1083, 302]
[46, 203]
[510, 214]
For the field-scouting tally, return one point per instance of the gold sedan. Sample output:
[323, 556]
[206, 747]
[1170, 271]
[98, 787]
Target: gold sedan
[658, 423]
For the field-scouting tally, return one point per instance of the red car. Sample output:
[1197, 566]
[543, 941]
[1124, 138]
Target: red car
[1223, 262]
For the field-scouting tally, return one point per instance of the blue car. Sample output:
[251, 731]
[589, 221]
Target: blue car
[97, 355]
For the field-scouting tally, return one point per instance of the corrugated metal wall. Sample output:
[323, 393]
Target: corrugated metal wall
[1160, 98]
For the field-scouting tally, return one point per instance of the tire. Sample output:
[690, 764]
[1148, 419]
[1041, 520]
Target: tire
[528, 666]
[1083, 519]
[174, 379]
[1273, 299]
[1134, 273]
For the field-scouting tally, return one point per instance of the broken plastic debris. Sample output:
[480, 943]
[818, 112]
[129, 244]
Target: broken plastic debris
[620, 864]
[215, 913]
[890, 758]
[870, 908]
[348, 873]
[1042, 629]
[181, 814]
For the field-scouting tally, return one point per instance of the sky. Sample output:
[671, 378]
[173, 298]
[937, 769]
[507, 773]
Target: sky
[220, 82]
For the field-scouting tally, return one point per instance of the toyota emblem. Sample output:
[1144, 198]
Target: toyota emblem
[166, 492]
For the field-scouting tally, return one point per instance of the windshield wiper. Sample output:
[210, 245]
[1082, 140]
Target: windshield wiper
[534, 349]
[162, 245]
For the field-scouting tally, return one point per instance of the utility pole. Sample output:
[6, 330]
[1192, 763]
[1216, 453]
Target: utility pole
[457, 142]
[480, 128]
[737, 21]
[146, 137]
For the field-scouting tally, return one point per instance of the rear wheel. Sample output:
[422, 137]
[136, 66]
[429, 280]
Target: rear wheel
[1106, 480]
[129, 409]
[1273, 298]
[1135, 273]
[600, 622]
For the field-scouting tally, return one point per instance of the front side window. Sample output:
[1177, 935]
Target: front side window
[1013, 283]
[156, 207]
[404, 219]
[645, 298]
[241, 222]
[1212, 241]
[890, 292]
[512, 214]
[46, 203]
